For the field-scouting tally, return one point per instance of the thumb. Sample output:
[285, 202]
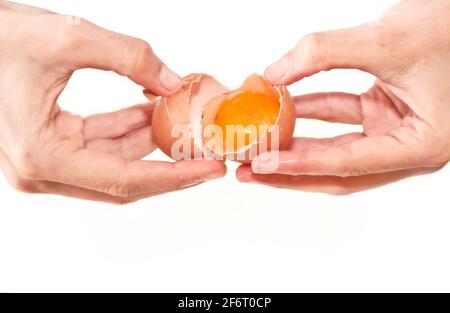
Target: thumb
[89, 46]
[353, 48]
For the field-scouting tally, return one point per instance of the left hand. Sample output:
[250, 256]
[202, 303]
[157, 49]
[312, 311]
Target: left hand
[44, 149]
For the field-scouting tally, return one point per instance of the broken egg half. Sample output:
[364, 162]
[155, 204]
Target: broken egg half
[207, 120]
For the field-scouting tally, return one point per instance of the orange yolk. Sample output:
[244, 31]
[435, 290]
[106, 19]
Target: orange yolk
[246, 117]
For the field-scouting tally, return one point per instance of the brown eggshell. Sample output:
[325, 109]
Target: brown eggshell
[183, 109]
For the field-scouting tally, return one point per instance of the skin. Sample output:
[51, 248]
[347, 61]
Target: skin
[46, 150]
[405, 115]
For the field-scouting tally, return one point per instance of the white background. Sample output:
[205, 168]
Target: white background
[225, 236]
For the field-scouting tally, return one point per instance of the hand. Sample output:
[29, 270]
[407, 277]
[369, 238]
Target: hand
[46, 150]
[405, 115]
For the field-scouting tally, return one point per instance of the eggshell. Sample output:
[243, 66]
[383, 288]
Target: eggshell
[185, 108]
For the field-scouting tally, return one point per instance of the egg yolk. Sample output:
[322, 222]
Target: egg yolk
[245, 117]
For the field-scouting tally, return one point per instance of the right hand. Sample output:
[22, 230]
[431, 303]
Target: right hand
[405, 115]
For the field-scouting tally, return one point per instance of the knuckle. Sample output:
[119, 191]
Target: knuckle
[143, 48]
[141, 53]
[314, 48]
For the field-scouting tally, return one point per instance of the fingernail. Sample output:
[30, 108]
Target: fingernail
[169, 79]
[279, 70]
[244, 174]
[265, 166]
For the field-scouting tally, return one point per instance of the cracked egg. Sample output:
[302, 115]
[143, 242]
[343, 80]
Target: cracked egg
[207, 120]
